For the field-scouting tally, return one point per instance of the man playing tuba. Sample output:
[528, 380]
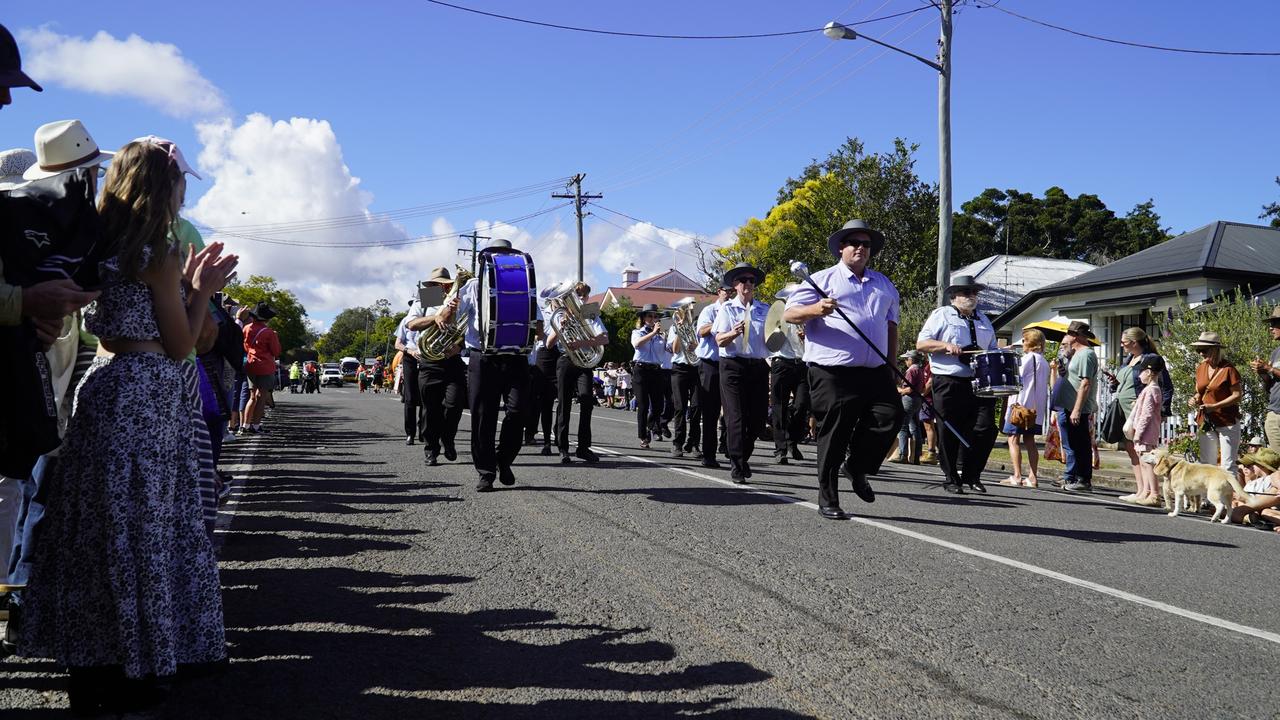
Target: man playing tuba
[442, 382]
[573, 380]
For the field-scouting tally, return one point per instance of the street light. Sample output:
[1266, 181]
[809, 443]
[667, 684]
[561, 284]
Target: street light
[836, 31]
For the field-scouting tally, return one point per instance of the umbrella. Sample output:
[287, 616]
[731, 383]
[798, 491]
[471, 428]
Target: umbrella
[1054, 330]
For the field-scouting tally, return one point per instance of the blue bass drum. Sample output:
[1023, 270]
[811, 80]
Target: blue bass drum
[508, 302]
[996, 374]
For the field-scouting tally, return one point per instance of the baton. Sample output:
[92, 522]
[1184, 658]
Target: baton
[801, 272]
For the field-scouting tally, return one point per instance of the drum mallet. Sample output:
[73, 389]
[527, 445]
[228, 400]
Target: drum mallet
[801, 272]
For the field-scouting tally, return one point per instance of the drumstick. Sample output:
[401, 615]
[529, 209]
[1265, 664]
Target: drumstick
[801, 271]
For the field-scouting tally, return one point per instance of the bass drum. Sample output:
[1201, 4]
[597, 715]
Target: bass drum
[507, 300]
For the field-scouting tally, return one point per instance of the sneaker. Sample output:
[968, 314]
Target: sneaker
[1077, 486]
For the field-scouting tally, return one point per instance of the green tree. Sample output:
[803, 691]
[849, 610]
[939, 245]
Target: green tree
[355, 330]
[881, 188]
[1272, 211]
[290, 322]
[1241, 323]
[913, 310]
[619, 321]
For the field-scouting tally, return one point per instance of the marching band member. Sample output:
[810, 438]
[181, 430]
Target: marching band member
[577, 381]
[663, 407]
[544, 361]
[788, 379]
[744, 375]
[490, 379]
[441, 384]
[853, 390]
[949, 332]
[407, 344]
[647, 375]
[684, 396]
[709, 376]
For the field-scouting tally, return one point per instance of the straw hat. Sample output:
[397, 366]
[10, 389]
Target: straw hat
[1208, 339]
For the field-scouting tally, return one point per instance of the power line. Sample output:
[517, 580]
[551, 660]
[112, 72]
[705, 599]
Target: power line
[646, 222]
[1127, 43]
[633, 234]
[597, 31]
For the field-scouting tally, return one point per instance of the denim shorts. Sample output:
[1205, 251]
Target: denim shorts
[1009, 429]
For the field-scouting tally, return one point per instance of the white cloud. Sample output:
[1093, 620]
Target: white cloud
[154, 72]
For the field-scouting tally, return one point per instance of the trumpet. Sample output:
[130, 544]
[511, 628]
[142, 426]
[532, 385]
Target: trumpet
[436, 343]
[685, 320]
[564, 315]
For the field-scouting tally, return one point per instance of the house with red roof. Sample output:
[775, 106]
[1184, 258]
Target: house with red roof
[664, 289]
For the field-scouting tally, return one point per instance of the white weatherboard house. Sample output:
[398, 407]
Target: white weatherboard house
[1010, 277]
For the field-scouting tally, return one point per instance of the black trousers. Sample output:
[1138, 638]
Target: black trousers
[709, 405]
[491, 379]
[663, 408]
[542, 393]
[789, 394]
[684, 400]
[647, 380]
[974, 417]
[442, 387]
[411, 395]
[858, 411]
[572, 382]
[744, 392]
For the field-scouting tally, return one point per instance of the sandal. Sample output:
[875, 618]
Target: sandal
[1011, 482]
[1031, 483]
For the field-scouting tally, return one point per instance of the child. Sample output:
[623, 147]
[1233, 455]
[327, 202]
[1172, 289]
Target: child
[1146, 429]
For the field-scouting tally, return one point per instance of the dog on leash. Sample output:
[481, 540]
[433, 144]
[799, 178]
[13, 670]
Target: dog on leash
[1184, 480]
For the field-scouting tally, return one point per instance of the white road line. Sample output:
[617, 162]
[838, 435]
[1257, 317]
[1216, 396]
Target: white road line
[1009, 562]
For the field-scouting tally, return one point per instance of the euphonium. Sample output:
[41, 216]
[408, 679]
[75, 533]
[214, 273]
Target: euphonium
[685, 323]
[436, 343]
[564, 316]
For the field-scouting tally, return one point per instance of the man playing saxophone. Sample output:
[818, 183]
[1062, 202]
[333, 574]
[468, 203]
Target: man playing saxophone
[574, 379]
[442, 375]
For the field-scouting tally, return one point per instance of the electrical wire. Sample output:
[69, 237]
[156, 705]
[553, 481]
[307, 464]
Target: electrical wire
[659, 36]
[1127, 43]
[646, 239]
[696, 238]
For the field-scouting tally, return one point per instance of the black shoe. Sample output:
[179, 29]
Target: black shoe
[689, 449]
[565, 459]
[677, 452]
[832, 513]
[505, 476]
[737, 476]
[485, 484]
[408, 440]
[587, 455]
[433, 459]
[722, 450]
[978, 487]
[666, 432]
[861, 487]
[953, 488]
[795, 452]
[746, 468]
[530, 440]
[712, 464]
[781, 459]
[450, 453]
[546, 450]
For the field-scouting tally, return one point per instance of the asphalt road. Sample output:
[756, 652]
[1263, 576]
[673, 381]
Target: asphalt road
[361, 584]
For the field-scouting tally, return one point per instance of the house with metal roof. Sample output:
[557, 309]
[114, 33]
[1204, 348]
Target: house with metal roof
[1137, 290]
[1010, 277]
[664, 289]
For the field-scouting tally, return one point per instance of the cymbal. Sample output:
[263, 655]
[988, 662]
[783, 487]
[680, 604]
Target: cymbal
[775, 332]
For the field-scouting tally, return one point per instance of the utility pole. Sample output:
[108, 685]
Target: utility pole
[577, 198]
[474, 238]
[944, 153]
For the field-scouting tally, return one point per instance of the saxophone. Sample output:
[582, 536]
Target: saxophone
[564, 315]
[436, 343]
[685, 322]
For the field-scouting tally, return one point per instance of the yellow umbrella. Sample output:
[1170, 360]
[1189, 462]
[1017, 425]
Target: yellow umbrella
[1054, 330]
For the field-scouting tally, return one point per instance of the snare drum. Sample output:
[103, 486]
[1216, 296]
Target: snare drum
[996, 374]
[508, 302]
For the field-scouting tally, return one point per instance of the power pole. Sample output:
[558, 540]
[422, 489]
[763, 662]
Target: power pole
[474, 238]
[577, 198]
[944, 153]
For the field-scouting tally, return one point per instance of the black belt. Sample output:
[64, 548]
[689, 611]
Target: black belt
[745, 359]
[648, 365]
[789, 361]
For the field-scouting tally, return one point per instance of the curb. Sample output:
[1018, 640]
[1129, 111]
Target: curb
[1105, 478]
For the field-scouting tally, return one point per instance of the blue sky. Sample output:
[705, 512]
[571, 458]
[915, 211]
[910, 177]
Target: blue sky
[426, 104]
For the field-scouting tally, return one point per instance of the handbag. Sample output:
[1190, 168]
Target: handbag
[1111, 426]
[1021, 416]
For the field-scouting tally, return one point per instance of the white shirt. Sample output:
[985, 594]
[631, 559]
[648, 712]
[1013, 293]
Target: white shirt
[945, 324]
[751, 344]
[677, 358]
[707, 348]
[793, 348]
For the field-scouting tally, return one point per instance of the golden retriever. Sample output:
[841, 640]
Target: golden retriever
[1184, 480]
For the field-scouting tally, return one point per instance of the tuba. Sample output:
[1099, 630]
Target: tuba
[684, 319]
[436, 343]
[564, 315]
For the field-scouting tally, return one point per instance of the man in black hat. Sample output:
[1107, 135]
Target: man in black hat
[709, 376]
[744, 374]
[646, 377]
[262, 347]
[952, 335]
[851, 385]
[1076, 404]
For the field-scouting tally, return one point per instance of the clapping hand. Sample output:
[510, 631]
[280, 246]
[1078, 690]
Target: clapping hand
[208, 270]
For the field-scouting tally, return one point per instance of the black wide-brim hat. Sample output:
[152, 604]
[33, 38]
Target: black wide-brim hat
[649, 308]
[964, 282]
[737, 271]
[850, 228]
[263, 312]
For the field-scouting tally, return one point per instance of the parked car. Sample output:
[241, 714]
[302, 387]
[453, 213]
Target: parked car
[331, 374]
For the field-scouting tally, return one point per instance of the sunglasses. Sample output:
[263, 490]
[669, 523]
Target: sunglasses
[856, 242]
[967, 293]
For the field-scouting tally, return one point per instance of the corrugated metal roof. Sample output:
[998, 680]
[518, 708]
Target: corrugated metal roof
[1009, 277]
